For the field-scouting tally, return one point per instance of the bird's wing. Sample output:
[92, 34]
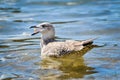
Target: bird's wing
[61, 48]
[83, 42]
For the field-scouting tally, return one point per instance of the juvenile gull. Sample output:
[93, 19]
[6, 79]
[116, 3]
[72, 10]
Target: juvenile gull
[50, 47]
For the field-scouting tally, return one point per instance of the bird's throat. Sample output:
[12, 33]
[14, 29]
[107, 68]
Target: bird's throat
[47, 38]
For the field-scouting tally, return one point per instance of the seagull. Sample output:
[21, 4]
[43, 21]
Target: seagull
[51, 47]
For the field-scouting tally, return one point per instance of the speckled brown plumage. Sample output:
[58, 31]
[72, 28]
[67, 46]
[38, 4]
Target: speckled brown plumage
[49, 47]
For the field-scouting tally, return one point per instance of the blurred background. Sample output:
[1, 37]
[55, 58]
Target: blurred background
[72, 19]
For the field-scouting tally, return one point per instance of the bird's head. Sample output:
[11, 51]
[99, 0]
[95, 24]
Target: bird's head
[43, 28]
[46, 29]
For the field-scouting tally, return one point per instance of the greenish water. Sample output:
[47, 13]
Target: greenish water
[73, 19]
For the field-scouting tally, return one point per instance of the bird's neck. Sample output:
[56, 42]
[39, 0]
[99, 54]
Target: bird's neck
[47, 38]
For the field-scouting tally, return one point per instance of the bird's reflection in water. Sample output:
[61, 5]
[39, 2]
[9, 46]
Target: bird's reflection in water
[66, 67]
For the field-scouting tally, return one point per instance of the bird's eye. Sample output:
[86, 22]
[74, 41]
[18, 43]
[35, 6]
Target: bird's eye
[43, 26]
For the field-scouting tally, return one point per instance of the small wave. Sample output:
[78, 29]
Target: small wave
[26, 34]
[71, 3]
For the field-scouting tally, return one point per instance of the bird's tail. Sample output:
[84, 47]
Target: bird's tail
[88, 41]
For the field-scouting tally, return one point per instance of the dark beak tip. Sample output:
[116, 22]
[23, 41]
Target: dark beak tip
[32, 27]
[31, 34]
[34, 33]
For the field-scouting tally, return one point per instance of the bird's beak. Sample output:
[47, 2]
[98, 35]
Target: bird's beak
[33, 27]
[35, 30]
[34, 33]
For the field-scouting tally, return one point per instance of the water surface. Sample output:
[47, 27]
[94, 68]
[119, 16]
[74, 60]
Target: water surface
[73, 19]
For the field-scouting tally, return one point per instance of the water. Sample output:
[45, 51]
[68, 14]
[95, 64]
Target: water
[73, 19]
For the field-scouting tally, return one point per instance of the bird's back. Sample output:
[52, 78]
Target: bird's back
[61, 48]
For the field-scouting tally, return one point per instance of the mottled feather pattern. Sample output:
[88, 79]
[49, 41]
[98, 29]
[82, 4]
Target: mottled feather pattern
[61, 48]
[49, 46]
